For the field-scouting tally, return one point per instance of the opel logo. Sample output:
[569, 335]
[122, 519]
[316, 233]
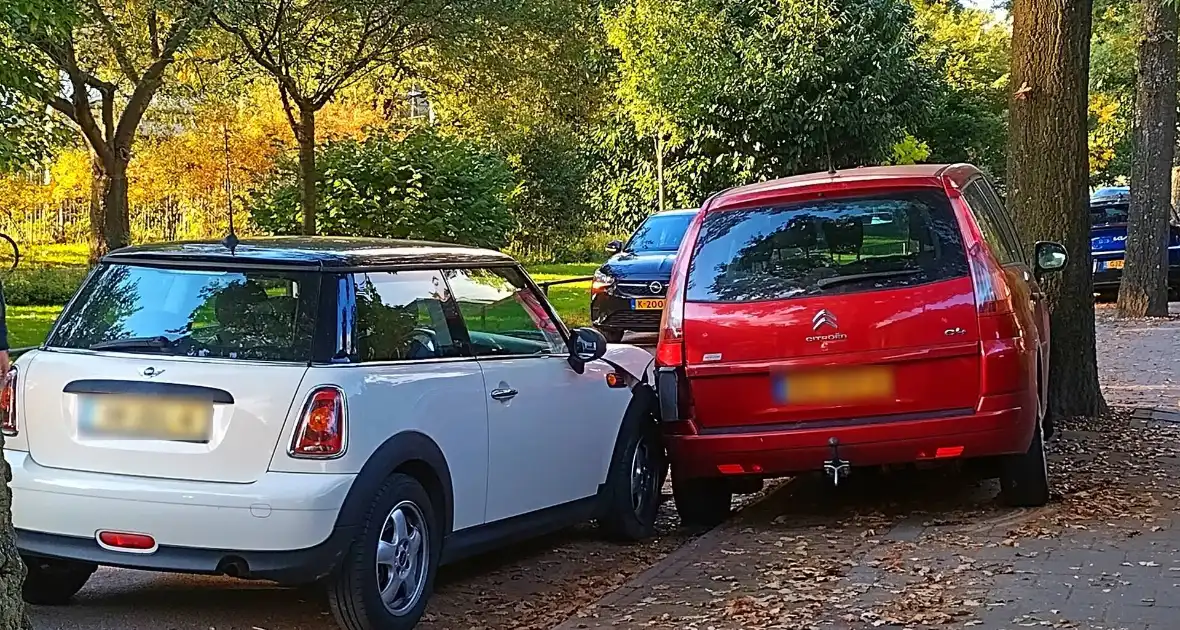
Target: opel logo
[656, 287]
[823, 318]
[150, 371]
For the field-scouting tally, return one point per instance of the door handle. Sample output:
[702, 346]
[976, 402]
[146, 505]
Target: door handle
[504, 394]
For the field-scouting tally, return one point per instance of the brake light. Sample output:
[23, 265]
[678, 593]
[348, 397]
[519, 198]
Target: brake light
[670, 348]
[992, 295]
[320, 432]
[126, 542]
[8, 405]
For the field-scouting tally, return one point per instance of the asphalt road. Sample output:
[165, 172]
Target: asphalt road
[120, 599]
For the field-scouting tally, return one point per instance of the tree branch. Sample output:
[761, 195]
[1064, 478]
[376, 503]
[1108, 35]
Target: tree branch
[154, 32]
[114, 41]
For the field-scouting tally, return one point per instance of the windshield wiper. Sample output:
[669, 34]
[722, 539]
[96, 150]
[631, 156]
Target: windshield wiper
[158, 342]
[857, 277]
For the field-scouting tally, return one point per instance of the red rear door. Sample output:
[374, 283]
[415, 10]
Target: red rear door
[858, 307]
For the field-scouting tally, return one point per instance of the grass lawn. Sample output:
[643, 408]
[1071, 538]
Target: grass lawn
[28, 325]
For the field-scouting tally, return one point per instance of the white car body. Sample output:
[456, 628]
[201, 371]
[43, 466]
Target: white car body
[241, 504]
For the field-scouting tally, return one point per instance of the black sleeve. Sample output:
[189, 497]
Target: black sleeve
[3, 321]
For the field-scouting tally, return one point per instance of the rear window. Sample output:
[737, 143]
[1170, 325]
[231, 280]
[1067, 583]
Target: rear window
[1108, 214]
[826, 246]
[255, 315]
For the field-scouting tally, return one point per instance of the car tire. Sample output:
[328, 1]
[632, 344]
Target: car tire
[1024, 478]
[613, 335]
[385, 556]
[701, 502]
[632, 493]
[54, 582]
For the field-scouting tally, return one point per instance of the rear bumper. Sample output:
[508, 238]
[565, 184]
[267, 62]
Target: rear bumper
[1108, 279]
[283, 525]
[778, 453]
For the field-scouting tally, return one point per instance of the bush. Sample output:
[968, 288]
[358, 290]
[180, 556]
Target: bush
[46, 286]
[425, 186]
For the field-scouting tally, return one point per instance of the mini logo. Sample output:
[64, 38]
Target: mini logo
[823, 318]
[150, 371]
[655, 287]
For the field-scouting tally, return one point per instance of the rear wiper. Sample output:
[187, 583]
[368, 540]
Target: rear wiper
[158, 342]
[857, 277]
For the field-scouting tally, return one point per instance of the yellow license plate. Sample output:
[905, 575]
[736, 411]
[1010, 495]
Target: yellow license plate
[1114, 264]
[647, 305]
[834, 385]
[133, 417]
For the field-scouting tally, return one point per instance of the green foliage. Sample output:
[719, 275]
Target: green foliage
[910, 151]
[425, 186]
[1113, 68]
[42, 286]
[751, 90]
[970, 50]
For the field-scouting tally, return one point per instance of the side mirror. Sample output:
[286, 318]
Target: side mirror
[586, 345]
[1049, 256]
[614, 247]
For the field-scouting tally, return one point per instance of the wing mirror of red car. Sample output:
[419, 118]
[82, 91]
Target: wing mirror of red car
[1049, 257]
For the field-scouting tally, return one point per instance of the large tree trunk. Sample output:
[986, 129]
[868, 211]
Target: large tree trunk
[1143, 291]
[305, 135]
[116, 213]
[1048, 181]
[98, 243]
[12, 568]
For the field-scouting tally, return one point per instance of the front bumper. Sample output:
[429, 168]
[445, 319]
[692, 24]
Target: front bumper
[1006, 429]
[282, 526]
[612, 311]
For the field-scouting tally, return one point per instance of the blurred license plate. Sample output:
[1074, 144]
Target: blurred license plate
[131, 417]
[835, 385]
[647, 305]
[1114, 264]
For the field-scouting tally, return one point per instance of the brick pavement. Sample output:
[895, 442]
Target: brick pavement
[926, 550]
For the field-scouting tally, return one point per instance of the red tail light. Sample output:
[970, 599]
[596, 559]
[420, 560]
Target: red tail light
[992, 295]
[670, 348]
[127, 542]
[8, 405]
[320, 432]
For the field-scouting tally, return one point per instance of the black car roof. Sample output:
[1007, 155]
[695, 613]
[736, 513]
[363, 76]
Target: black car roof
[302, 251]
[676, 212]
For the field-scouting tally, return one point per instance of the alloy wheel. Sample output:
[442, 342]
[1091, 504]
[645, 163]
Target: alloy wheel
[403, 558]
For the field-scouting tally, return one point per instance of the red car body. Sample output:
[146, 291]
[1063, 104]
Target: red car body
[936, 365]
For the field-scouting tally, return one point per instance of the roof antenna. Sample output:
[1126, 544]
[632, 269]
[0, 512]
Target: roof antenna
[828, 147]
[231, 240]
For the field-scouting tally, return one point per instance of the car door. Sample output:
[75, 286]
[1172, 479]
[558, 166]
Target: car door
[546, 445]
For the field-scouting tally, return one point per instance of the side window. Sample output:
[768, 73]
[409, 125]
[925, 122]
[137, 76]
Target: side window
[1003, 219]
[504, 316]
[402, 316]
[993, 232]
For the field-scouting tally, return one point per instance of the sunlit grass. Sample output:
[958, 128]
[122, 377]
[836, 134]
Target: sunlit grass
[28, 325]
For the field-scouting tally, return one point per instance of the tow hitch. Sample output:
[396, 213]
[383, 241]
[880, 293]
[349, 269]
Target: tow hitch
[836, 468]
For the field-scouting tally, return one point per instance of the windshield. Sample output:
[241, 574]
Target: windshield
[659, 233]
[255, 315]
[827, 246]
[1108, 214]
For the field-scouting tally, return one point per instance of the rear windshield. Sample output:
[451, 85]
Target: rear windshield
[826, 246]
[1109, 214]
[659, 233]
[254, 315]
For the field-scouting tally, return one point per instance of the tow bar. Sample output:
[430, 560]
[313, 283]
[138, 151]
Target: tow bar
[836, 468]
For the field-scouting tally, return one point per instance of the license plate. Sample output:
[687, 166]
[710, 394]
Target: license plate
[109, 416]
[834, 385]
[647, 305]
[1114, 264]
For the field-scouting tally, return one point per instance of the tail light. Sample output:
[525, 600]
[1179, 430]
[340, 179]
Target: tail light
[8, 405]
[670, 348]
[320, 432]
[992, 295]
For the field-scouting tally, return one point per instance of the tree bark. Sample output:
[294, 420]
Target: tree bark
[12, 568]
[660, 170]
[1143, 291]
[98, 244]
[305, 135]
[1048, 181]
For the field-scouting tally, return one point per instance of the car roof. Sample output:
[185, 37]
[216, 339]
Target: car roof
[918, 174]
[1112, 194]
[334, 252]
[676, 212]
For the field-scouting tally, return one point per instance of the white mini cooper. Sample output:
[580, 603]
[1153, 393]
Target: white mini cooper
[344, 411]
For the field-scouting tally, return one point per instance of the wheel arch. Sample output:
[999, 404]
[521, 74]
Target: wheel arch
[643, 404]
[410, 452]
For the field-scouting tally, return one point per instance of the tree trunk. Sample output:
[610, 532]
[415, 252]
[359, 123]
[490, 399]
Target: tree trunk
[305, 135]
[117, 222]
[98, 184]
[660, 170]
[1143, 291]
[1048, 181]
[12, 568]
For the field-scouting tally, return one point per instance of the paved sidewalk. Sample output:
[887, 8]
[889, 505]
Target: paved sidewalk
[933, 550]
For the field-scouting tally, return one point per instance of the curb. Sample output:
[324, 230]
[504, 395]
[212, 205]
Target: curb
[672, 562]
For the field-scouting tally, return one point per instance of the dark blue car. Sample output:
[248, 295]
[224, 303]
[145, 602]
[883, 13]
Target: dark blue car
[1108, 235]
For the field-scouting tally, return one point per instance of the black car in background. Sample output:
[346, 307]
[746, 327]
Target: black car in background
[629, 288]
